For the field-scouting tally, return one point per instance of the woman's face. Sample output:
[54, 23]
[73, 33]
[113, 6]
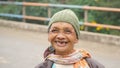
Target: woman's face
[62, 36]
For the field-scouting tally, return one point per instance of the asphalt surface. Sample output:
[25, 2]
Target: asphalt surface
[24, 49]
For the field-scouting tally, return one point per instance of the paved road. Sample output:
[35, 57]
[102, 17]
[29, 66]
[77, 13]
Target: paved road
[23, 49]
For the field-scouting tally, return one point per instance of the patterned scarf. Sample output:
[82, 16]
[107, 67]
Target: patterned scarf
[77, 58]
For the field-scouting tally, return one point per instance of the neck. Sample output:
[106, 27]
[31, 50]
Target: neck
[64, 54]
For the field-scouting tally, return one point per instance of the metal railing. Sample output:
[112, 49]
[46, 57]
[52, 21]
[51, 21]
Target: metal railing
[49, 6]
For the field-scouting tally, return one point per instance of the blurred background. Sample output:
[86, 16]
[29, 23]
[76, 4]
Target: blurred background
[95, 17]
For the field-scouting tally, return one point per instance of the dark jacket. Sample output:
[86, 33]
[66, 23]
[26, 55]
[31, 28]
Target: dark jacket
[91, 62]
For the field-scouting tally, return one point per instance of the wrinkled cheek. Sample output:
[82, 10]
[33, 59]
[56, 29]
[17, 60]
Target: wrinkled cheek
[51, 37]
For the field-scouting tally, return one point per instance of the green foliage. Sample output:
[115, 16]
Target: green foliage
[36, 11]
[100, 17]
[11, 9]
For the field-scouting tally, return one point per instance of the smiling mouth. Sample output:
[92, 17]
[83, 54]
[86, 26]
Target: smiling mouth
[61, 43]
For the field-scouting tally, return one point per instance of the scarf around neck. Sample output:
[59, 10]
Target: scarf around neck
[73, 58]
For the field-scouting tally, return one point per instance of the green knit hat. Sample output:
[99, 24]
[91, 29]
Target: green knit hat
[68, 16]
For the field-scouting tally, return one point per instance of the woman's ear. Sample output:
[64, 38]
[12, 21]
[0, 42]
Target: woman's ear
[76, 40]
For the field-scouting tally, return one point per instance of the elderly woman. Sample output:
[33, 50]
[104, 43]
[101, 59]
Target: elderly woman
[63, 34]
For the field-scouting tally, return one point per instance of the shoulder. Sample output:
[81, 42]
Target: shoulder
[45, 64]
[93, 63]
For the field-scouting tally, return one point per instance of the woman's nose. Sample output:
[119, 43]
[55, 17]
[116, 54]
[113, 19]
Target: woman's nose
[60, 36]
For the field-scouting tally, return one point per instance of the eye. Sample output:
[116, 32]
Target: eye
[67, 31]
[54, 31]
